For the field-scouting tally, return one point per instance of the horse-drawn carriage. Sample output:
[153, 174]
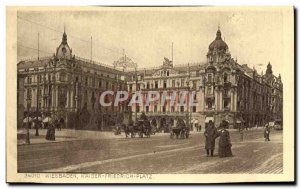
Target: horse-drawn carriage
[180, 131]
[141, 129]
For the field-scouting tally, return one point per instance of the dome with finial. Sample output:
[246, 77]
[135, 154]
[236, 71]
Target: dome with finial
[64, 51]
[218, 43]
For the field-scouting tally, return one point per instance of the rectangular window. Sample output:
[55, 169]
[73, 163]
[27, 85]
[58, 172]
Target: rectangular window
[156, 84]
[165, 84]
[225, 104]
[172, 109]
[181, 108]
[137, 108]
[155, 108]
[194, 109]
[209, 78]
[173, 83]
[147, 108]
[148, 85]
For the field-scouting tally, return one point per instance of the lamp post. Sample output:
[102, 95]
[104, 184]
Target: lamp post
[37, 107]
[136, 81]
[27, 130]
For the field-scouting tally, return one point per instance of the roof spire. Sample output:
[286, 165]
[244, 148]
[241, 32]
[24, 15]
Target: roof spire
[64, 38]
[218, 36]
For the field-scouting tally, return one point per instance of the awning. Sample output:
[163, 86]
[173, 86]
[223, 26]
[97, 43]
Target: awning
[207, 119]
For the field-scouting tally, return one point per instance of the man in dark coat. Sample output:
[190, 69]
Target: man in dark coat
[210, 134]
[267, 133]
[224, 142]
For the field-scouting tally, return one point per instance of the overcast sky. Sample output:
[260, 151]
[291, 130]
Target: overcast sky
[254, 37]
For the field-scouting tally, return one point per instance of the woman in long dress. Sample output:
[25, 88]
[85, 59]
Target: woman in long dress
[224, 142]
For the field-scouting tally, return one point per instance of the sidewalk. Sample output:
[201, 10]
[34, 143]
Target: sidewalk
[68, 135]
[71, 135]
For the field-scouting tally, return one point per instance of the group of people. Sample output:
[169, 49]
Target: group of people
[211, 133]
[198, 127]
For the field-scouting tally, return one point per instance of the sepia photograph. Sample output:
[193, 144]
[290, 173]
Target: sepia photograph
[150, 94]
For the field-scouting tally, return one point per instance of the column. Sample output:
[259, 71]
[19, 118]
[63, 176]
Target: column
[216, 99]
[234, 100]
[71, 99]
[56, 97]
[221, 101]
[68, 99]
[203, 99]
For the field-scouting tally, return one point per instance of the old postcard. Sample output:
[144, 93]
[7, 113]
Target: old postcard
[150, 94]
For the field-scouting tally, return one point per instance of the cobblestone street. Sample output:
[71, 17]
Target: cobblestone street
[91, 151]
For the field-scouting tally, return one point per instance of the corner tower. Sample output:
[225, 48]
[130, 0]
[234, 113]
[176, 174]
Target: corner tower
[217, 49]
[63, 51]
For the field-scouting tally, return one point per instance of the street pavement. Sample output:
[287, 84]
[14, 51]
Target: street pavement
[98, 152]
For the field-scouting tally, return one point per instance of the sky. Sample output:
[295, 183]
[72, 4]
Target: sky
[146, 35]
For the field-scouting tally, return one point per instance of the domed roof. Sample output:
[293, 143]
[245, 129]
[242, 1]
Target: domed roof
[218, 43]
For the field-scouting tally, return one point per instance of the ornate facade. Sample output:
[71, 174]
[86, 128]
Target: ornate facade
[67, 86]
[224, 90]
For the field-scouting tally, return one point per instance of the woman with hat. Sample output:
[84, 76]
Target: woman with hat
[224, 142]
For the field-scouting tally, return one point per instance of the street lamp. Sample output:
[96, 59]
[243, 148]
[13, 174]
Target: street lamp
[27, 133]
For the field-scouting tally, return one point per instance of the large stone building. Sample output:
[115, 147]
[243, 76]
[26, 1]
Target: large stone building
[225, 90]
[67, 86]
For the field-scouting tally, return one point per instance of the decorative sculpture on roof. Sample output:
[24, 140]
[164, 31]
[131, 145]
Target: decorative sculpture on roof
[167, 62]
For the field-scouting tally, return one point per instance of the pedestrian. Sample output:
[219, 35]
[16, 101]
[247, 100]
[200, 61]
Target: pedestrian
[224, 141]
[267, 133]
[210, 136]
[197, 127]
[48, 131]
[33, 124]
[61, 123]
[241, 131]
[52, 132]
[56, 124]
